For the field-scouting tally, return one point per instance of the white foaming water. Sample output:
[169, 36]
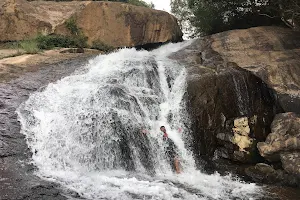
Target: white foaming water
[85, 131]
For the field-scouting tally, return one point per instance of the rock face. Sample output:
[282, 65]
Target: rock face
[270, 53]
[113, 23]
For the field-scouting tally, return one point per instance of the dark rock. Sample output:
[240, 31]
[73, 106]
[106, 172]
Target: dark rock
[264, 173]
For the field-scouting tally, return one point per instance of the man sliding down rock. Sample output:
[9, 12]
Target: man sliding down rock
[171, 151]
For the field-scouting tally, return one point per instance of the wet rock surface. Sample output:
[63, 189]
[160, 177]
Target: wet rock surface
[17, 180]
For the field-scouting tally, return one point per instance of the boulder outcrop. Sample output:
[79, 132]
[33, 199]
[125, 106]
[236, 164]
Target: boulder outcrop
[270, 53]
[251, 73]
[237, 82]
[284, 137]
[113, 23]
[283, 143]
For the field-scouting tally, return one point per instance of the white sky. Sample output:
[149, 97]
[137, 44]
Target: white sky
[161, 4]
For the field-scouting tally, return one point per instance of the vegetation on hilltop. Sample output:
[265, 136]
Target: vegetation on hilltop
[213, 16]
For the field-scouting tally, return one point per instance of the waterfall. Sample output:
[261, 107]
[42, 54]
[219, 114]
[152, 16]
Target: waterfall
[96, 132]
[241, 92]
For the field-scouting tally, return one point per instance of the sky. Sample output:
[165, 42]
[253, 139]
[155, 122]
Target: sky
[161, 4]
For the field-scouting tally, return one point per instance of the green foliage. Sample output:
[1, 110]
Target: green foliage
[29, 46]
[99, 45]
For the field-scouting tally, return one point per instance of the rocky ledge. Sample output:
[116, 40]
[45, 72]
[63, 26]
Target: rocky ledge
[238, 84]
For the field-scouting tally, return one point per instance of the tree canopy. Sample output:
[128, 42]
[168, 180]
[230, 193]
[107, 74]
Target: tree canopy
[213, 16]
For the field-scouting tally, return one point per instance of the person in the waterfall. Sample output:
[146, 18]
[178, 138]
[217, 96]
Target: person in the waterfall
[171, 150]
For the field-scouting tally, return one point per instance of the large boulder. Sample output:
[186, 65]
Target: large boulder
[252, 73]
[113, 23]
[271, 53]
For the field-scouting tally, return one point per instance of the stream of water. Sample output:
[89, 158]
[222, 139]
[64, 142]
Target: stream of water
[97, 132]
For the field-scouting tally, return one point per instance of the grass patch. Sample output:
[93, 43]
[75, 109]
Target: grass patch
[30, 46]
[47, 42]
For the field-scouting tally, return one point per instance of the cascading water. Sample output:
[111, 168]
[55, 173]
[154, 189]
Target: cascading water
[97, 132]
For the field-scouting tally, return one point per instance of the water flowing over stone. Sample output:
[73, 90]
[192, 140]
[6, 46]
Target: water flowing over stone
[97, 132]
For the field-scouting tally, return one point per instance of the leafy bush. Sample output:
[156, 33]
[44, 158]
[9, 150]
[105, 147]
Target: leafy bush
[99, 45]
[51, 41]
[76, 39]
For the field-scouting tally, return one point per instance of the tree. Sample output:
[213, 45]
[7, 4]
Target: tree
[181, 11]
[213, 16]
[289, 11]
